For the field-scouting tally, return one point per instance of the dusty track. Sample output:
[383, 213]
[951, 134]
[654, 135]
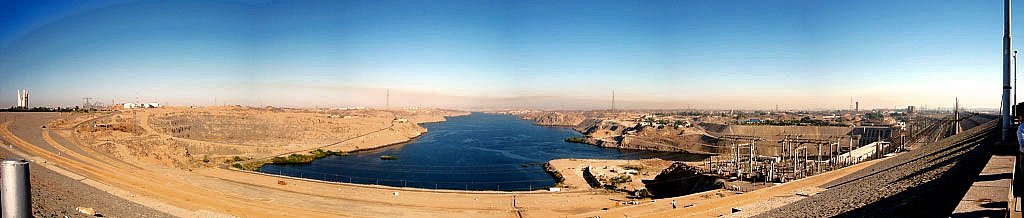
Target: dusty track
[145, 183]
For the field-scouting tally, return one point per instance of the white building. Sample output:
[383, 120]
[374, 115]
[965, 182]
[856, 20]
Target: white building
[22, 98]
[142, 105]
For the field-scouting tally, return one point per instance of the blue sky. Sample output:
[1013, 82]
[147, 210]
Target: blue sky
[500, 54]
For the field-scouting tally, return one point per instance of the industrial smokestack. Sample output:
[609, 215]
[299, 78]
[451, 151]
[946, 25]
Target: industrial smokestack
[22, 98]
[1007, 44]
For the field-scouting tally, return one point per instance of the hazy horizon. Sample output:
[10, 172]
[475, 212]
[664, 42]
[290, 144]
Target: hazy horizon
[505, 54]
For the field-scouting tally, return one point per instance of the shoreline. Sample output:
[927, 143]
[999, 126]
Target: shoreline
[558, 178]
[256, 163]
[546, 166]
[214, 191]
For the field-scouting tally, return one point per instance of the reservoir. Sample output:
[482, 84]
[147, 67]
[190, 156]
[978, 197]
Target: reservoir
[473, 152]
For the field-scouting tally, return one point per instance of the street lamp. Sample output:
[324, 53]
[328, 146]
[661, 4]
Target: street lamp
[1015, 83]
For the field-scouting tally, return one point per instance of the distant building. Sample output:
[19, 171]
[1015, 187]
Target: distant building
[142, 105]
[22, 98]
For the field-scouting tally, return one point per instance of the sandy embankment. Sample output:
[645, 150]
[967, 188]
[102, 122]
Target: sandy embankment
[190, 138]
[403, 129]
[572, 171]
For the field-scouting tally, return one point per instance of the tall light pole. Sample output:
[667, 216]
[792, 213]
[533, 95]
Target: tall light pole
[1006, 71]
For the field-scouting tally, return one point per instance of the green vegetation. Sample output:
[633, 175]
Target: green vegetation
[633, 167]
[613, 183]
[250, 166]
[575, 139]
[206, 158]
[293, 159]
[559, 179]
[302, 159]
[290, 159]
[620, 179]
[874, 116]
[236, 159]
[46, 109]
[388, 157]
[322, 153]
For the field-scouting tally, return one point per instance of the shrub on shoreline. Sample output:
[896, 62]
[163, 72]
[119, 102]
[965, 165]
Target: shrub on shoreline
[575, 139]
[304, 158]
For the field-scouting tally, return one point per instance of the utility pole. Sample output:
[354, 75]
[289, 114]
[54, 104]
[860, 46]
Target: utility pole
[806, 159]
[387, 101]
[750, 163]
[736, 158]
[849, 155]
[1007, 44]
[795, 156]
[782, 154]
[836, 154]
[86, 104]
[817, 165]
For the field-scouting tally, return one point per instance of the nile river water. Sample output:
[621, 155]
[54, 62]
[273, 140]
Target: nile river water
[475, 152]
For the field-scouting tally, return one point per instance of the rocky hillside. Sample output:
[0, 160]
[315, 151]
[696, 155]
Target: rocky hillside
[556, 118]
[681, 179]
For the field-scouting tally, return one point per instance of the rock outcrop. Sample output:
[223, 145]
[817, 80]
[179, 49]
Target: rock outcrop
[681, 179]
[572, 119]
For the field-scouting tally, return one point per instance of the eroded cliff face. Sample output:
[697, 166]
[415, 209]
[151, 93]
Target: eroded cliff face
[572, 119]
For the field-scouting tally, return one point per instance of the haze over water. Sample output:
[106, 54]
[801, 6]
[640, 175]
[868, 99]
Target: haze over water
[477, 151]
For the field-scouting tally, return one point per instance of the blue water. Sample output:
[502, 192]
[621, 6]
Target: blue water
[475, 152]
